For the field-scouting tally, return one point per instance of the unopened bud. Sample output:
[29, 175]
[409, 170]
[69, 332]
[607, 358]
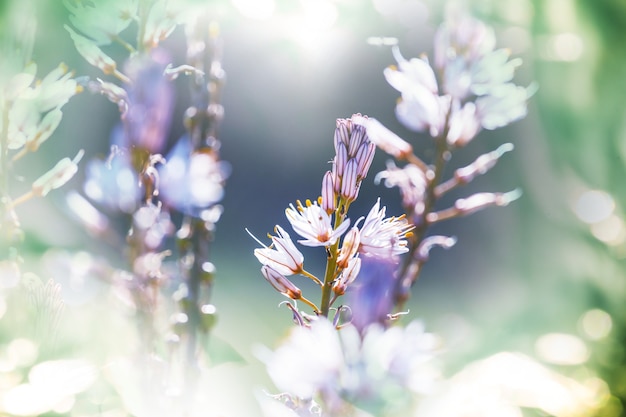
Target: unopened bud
[328, 193]
[341, 159]
[349, 185]
[482, 164]
[348, 276]
[349, 248]
[427, 244]
[481, 200]
[364, 158]
[281, 283]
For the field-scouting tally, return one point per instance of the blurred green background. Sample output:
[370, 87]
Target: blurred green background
[517, 273]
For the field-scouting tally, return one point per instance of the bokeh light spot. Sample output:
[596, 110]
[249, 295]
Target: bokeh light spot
[610, 230]
[561, 349]
[594, 206]
[596, 324]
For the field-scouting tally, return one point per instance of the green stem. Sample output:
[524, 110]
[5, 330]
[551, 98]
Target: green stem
[331, 262]
[142, 12]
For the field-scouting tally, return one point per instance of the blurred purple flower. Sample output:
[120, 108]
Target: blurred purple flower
[150, 97]
[370, 297]
[113, 183]
[192, 181]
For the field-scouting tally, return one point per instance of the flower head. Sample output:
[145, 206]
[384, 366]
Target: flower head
[284, 257]
[383, 237]
[474, 91]
[314, 224]
[410, 180]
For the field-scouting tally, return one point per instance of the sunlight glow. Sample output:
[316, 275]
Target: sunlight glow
[255, 9]
[310, 28]
[561, 349]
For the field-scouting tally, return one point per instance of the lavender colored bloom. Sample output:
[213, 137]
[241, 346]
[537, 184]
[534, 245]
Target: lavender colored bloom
[192, 181]
[150, 97]
[370, 297]
[113, 184]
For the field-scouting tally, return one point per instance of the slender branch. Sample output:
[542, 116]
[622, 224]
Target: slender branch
[125, 44]
[409, 272]
[312, 277]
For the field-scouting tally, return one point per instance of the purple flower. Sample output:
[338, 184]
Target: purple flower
[113, 184]
[192, 181]
[370, 296]
[150, 97]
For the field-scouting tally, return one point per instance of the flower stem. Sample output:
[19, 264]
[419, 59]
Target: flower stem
[312, 277]
[331, 263]
[411, 267]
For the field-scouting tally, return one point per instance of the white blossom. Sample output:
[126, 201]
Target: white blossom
[382, 236]
[284, 257]
[314, 225]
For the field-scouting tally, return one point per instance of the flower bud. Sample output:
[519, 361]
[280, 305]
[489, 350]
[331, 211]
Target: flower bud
[62, 172]
[349, 248]
[328, 193]
[349, 184]
[280, 283]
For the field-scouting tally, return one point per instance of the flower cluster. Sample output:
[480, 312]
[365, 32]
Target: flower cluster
[468, 88]
[474, 90]
[324, 223]
[164, 193]
[471, 91]
[348, 368]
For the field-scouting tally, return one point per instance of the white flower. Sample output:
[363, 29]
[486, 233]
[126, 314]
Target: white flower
[284, 258]
[383, 237]
[309, 361]
[62, 172]
[492, 70]
[410, 180]
[101, 20]
[314, 224]
[386, 140]
[464, 124]
[92, 53]
[503, 105]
